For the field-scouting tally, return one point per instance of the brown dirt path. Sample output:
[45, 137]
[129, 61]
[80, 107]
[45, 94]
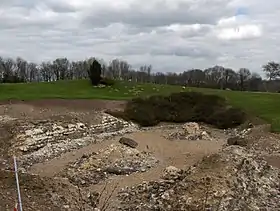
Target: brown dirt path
[179, 153]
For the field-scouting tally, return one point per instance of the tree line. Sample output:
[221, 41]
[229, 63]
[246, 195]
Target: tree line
[20, 71]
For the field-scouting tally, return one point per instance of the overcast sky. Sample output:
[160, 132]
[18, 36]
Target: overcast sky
[172, 35]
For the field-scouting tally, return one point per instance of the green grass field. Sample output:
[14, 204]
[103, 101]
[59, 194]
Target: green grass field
[263, 105]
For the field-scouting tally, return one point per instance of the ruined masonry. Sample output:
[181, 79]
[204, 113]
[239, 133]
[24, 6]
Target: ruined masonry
[44, 140]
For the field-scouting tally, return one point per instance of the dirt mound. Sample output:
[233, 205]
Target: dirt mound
[190, 131]
[116, 159]
[235, 179]
[40, 193]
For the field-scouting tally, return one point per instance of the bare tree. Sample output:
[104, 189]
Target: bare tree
[60, 67]
[145, 72]
[47, 73]
[9, 68]
[244, 76]
[21, 69]
[255, 82]
[114, 68]
[194, 77]
[32, 72]
[218, 77]
[79, 69]
[272, 70]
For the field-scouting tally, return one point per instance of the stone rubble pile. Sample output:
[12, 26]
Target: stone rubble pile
[5, 119]
[4, 164]
[45, 140]
[234, 179]
[190, 131]
[241, 133]
[256, 138]
[116, 159]
[52, 150]
[267, 145]
[112, 125]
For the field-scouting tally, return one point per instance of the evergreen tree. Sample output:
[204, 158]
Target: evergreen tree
[95, 73]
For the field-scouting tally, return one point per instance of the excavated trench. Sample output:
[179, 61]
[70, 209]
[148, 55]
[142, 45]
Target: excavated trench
[169, 166]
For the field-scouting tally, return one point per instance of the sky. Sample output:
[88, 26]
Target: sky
[171, 35]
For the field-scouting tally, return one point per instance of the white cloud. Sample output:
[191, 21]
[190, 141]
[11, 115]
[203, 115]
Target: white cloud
[238, 28]
[227, 21]
[240, 32]
[172, 35]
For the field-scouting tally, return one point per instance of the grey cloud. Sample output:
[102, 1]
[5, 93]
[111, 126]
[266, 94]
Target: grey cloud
[161, 14]
[18, 3]
[190, 32]
[60, 7]
[185, 52]
[137, 35]
[168, 44]
[56, 6]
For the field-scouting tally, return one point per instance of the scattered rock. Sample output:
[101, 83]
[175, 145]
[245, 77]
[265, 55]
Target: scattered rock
[191, 131]
[128, 142]
[237, 132]
[171, 171]
[38, 193]
[116, 159]
[191, 127]
[5, 119]
[234, 178]
[45, 140]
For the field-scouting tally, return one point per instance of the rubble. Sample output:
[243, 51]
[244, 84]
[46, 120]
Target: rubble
[51, 150]
[116, 159]
[5, 118]
[234, 179]
[45, 140]
[43, 193]
[267, 144]
[257, 138]
[236, 132]
[190, 131]
[172, 171]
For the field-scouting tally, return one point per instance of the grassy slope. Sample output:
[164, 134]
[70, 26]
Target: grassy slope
[263, 105]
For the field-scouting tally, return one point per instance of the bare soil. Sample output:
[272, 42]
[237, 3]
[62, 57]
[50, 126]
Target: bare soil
[58, 109]
[47, 190]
